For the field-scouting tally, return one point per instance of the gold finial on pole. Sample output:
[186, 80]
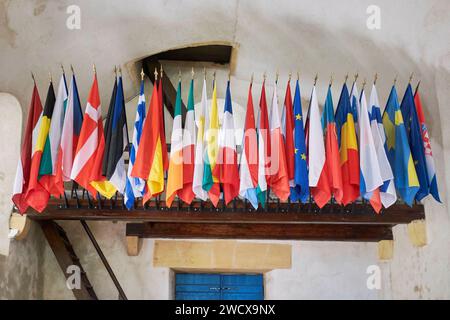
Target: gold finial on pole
[62, 68]
[356, 77]
[229, 75]
[161, 71]
[115, 71]
[264, 76]
[315, 79]
[192, 73]
[411, 77]
[276, 77]
[179, 75]
[120, 71]
[156, 74]
[251, 79]
[395, 80]
[142, 74]
[50, 76]
[204, 73]
[71, 69]
[214, 76]
[331, 80]
[290, 76]
[346, 78]
[95, 69]
[32, 77]
[375, 79]
[364, 84]
[298, 76]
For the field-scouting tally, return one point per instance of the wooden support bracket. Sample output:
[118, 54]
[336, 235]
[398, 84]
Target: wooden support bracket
[134, 245]
[417, 232]
[385, 249]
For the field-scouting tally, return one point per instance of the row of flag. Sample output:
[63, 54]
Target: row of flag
[353, 152]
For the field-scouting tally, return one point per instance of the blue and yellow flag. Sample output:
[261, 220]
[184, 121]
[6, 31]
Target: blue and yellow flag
[398, 151]
[412, 126]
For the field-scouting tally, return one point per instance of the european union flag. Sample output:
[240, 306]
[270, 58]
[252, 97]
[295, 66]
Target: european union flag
[300, 190]
[415, 141]
[398, 150]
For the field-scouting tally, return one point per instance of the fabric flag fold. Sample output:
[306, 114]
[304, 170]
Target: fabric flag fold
[398, 151]
[300, 190]
[187, 193]
[175, 173]
[200, 148]
[348, 148]
[113, 165]
[332, 149]
[370, 175]
[248, 170]
[49, 171]
[24, 164]
[278, 171]
[263, 147]
[287, 129]
[210, 181]
[149, 158]
[388, 194]
[37, 196]
[87, 165]
[226, 169]
[429, 160]
[414, 133]
[134, 187]
[73, 120]
[162, 129]
[318, 175]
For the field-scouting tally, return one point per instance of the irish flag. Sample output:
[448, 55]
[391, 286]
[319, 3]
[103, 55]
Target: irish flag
[175, 174]
[87, 165]
[248, 170]
[49, 171]
[278, 171]
[226, 167]
[210, 181]
[37, 197]
[24, 164]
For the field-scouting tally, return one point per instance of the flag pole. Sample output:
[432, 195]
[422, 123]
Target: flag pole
[62, 68]
[179, 75]
[276, 78]
[71, 69]
[417, 87]
[364, 84]
[264, 77]
[298, 76]
[50, 76]
[331, 80]
[115, 71]
[120, 71]
[395, 80]
[251, 79]
[192, 73]
[32, 77]
[290, 76]
[156, 74]
[356, 77]
[411, 77]
[161, 72]
[204, 73]
[95, 69]
[375, 79]
[315, 79]
[346, 78]
[142, 74]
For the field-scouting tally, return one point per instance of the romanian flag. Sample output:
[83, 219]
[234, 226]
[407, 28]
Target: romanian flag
[149, 158]
[332, 149]
[278, 171]
[248, 169]
[49, 171]
[398, 151]
[175, 174]
[429, 160]
[348, 148]
[226, 166]
[187, 194]
[263, 148]
[211, 182]
[318, 175]
[24, 164]
[37, 196]
[413, 130]
[87, 165]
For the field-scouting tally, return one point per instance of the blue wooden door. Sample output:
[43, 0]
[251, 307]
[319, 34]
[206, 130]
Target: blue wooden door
[201, 286]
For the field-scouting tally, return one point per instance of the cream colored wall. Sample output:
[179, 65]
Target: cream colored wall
[321, 36]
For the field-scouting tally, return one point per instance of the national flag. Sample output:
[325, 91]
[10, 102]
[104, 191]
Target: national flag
[414, 133]
[248, 170]
[388, 194]
[29, 141]
[263, 147]
[187, 193]
[398, 151]
[200, 148]
[149, 158]
[113, 165]
[134, 187]
[226, 169]
[318, 175]
[211, 181]
[36, 196]
[162, 130]
[175, 174]
[73, 120]
[278, 171]
[429, 160]
[287, 129]
[300, 190]
[370, 175]
[332, 161]
[348, 148]
[354, 107]
[87, 165]
[50, 172]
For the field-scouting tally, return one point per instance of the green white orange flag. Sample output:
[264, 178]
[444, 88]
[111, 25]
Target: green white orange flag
[211, 182]
[175, 173]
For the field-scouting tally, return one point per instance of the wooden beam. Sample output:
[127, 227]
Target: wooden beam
[66, 256]
[220, 54]
[281, 214]
[326, 232]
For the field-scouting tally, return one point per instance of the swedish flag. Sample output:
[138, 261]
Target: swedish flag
[398, 150]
